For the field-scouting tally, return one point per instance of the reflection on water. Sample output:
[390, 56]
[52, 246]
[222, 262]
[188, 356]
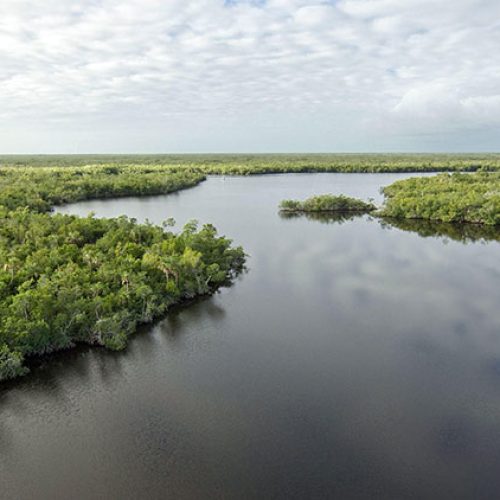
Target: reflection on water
[465, 233]
[323, 217]
[351, 361]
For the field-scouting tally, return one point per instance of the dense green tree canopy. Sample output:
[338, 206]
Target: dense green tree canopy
[473, 198]
[42, 187]
[66, 279]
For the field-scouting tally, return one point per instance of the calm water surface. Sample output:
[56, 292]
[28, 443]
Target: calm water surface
[351, 361]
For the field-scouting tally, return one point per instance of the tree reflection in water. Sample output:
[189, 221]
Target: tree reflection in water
[465, 233]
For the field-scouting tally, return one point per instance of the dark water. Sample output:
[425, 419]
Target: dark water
[353, 360]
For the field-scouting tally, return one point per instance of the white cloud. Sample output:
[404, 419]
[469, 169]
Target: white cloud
[442, 106]
[80, 68]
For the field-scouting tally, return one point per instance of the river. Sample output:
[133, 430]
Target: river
[353, 359]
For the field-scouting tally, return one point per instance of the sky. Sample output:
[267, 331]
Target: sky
[175, 76]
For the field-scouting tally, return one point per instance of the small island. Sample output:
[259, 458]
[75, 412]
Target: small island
[327, 203]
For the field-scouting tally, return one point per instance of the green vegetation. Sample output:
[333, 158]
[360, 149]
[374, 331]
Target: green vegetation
[473, 198]
[327, 203]
[65, 279]
[240, 164]
[454, 198]
[41, 188]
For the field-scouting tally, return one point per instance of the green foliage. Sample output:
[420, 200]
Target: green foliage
[11, 363]
[41, 188]
[327, 203]
[454, 197]
[65, 279]
[240, 164]
[291, 206]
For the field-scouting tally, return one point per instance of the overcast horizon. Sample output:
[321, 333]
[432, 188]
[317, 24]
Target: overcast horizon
[275, 76]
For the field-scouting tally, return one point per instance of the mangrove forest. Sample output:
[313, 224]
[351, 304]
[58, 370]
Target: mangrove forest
[66, 280]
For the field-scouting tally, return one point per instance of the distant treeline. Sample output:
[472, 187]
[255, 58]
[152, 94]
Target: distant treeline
[242, 164]
[65, 279]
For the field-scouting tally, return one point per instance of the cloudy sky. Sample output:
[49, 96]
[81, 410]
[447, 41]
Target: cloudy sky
[108, 76]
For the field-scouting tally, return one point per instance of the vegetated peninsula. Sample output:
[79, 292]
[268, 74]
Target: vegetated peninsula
[327, 203]
[66, 280]
[460, 198]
